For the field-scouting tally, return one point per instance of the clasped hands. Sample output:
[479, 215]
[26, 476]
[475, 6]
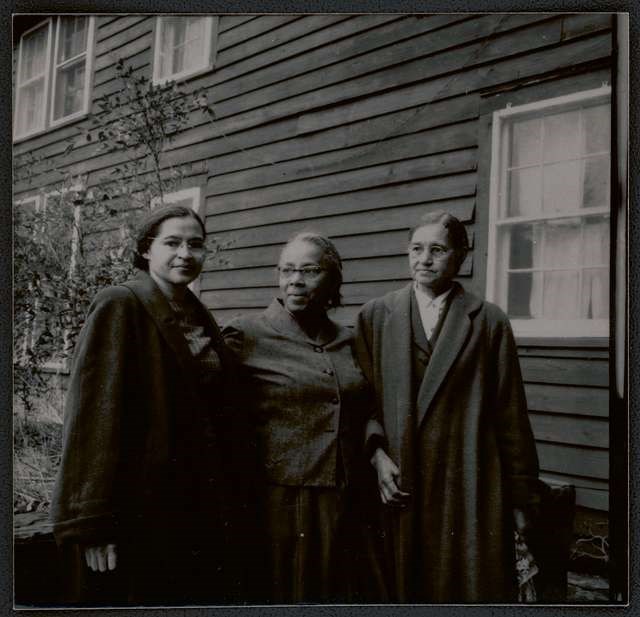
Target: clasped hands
[101, 558]
[388, 476]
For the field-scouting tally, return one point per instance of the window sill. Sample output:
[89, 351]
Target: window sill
[594, 342]
[52, 127]
[184, 76]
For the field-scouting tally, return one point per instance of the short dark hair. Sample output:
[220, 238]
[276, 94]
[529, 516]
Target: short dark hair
[150, 224]
[455, 230]
[330, 257]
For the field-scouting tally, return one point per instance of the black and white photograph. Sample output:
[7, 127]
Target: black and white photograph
[320, 308]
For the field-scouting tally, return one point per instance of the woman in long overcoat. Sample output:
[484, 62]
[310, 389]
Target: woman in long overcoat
[452, 445]
[150, 489]
[309, 402]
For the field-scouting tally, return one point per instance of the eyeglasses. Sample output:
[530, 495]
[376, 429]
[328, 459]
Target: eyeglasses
[197, 247]
[308, 273]
[436, 252]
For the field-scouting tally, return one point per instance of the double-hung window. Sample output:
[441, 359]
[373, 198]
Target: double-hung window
[53, 74]
[184, 46]
[549, 217]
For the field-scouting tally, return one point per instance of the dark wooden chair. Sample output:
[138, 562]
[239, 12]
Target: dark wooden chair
[550, 540]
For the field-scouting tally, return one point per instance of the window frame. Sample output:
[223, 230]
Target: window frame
[536, 328]
[208, 55]
[47, 75]
[55, 69]
[53, 36]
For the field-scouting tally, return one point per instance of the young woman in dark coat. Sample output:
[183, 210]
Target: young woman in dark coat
[310, 403]
[150, 490]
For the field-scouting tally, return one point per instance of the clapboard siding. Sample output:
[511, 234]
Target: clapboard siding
[353, 125]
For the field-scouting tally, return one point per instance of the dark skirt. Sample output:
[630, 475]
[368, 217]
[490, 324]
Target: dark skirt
[310, 549]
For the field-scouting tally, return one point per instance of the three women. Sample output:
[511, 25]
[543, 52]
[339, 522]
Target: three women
[148, 457]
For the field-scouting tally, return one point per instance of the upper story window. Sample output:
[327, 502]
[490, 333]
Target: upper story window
[53, 75]
[184, 46]
[550, 215]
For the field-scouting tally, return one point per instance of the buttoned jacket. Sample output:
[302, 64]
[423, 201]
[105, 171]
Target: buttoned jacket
[308, 398]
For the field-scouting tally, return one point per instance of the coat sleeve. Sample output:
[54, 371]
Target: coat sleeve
[84, 505]
[515, 437]
[364, 345]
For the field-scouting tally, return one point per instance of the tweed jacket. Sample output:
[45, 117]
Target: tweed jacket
[463, 444]
[309, 399]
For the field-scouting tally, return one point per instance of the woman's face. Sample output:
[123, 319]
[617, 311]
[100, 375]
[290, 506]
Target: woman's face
[310, 289]
[432, 259]
[177, 252]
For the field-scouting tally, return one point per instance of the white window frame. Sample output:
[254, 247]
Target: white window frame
[538, 328]
[51, 70]
[208, 53]
[195, 194]
[47, 74]
[55, 68]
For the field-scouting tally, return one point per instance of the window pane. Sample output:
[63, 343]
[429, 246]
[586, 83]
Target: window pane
[597, 128]
[34, 50]
[561, 186]
[31, 107]
[521, 247]
[563, 243]
[562, 136]
[519, 295]
[72, 38]
[524, 192]
[525, 142]
[595, 294]
[69, 96]
[560, 295]
[596, 182]
[596, 241]
[181, 44]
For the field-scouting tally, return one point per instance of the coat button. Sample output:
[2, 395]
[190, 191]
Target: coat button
[335, 400]
[328, 371]
[318, 349]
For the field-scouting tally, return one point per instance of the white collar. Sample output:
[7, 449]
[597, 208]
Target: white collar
[426, 302]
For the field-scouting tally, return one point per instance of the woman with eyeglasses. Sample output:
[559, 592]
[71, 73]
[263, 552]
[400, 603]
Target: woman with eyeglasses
[149, 492]
[310, 403]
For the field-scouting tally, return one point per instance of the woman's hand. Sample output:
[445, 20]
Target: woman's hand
[101, 558]
[388, 474]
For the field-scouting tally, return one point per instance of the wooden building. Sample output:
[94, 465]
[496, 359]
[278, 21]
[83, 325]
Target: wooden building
[354, 125]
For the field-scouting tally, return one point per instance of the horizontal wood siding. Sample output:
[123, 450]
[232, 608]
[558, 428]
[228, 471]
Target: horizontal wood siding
[354, 125]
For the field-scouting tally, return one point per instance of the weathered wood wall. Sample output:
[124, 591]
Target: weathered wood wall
[353, 126]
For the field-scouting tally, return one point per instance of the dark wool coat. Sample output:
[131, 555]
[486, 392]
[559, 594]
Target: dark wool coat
[464, 447]
[151, 461]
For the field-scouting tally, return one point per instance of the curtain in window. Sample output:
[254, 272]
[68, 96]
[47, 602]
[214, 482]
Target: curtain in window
[70, 78]
[31, 103]
[181, 44]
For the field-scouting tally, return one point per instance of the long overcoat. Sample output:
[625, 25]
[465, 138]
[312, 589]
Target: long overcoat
[153, 461]
[464, 445]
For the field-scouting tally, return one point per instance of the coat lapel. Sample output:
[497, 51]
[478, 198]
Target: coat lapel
[397, 363]
[453, 335]
[159, 310]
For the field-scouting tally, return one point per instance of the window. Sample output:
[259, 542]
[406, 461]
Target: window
[549, 215]
[184, 46]
[53, 76]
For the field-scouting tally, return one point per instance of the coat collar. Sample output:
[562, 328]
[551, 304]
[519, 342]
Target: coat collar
[452, 338]
[157, 306]
[281, 320]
